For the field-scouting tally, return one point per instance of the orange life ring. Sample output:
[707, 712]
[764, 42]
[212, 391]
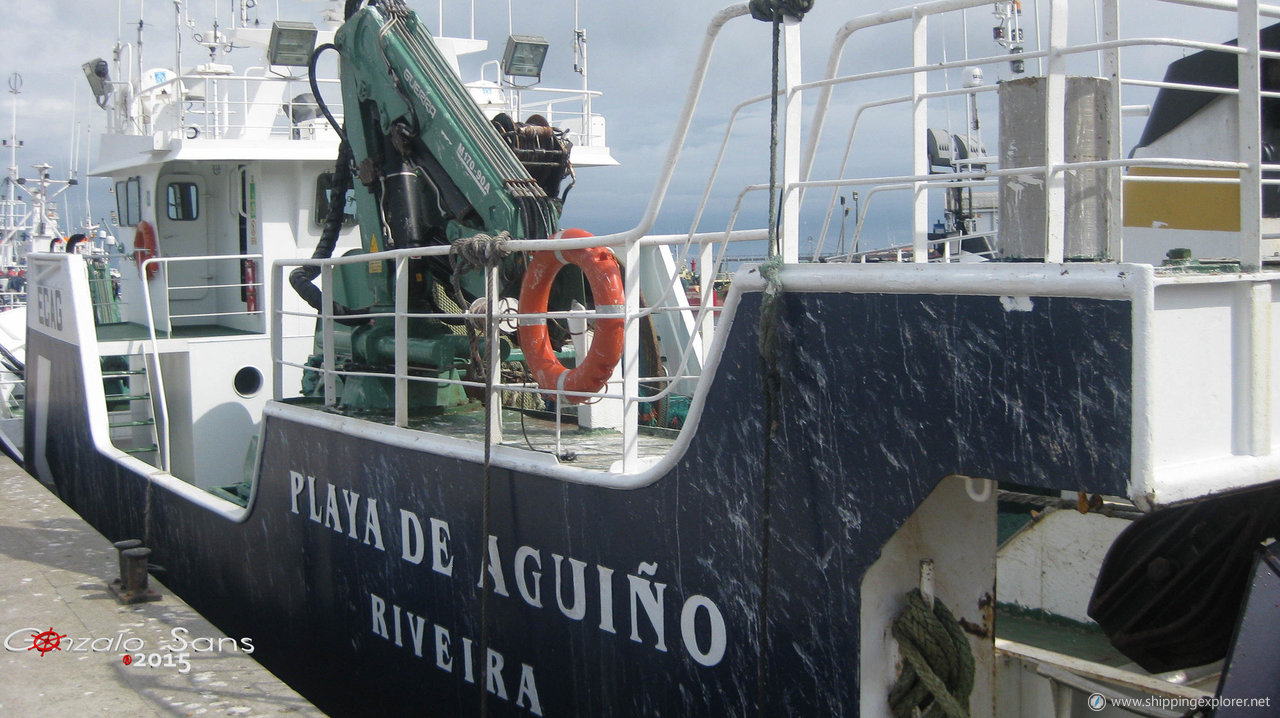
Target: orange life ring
[144, 247]
[605, 279]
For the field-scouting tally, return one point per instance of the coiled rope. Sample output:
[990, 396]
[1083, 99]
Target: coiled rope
[937, 664]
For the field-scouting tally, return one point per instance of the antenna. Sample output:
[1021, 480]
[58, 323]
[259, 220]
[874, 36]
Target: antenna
[141, 14]
[11, 208]
[88, 145]
[15, 87]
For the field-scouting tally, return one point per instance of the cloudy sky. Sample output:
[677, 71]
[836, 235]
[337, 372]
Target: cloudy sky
[641, 54]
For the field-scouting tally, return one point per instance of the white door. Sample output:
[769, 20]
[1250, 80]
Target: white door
[182, 210]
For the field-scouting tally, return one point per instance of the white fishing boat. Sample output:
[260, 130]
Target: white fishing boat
[414, 456]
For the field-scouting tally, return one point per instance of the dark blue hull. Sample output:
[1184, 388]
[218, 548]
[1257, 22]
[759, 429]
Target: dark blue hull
[631, 602]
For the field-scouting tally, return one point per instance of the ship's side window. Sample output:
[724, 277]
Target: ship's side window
[183, 201]
[129, 201]
[324, 195]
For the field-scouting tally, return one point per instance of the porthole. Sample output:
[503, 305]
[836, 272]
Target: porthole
[248, 381]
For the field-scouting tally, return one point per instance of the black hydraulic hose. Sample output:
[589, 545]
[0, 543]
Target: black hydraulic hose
[302, 278]
[315, 89]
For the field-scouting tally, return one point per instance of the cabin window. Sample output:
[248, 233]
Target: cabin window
[129, 201]
[182, 201]
[324, 195]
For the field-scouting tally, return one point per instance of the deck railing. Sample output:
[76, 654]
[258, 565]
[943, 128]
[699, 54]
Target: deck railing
[259, 105]
[924, 89]
[219, 104]
[665, 301]
[664, 294]
[165, 320]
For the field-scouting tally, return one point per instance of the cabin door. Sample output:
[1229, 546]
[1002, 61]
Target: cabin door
[183, 226]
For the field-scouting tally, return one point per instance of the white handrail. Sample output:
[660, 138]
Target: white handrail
[162, 263]
[628, 243]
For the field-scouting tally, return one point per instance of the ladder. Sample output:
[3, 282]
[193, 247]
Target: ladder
[130, 413]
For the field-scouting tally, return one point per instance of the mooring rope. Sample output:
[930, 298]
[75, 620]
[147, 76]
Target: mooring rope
[772, 11]
[937, 664]
[483, 252]
[479, 251]
[770, 374]
[768, 348]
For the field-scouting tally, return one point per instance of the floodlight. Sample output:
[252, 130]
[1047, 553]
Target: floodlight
[524, 56]
[291, 43]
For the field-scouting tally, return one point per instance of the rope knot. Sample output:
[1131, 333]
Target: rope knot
[937, 664]
[771, 271]
[770, 10]
[769, 307]
[481, 250]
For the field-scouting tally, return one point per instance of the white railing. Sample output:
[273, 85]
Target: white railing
[923, 86]
[15, 216]
[12, 404]
[167, 290]
[713, 248]
[670, 300]
[157, 380]
[10, 300]
[561, 107]
[252, 105]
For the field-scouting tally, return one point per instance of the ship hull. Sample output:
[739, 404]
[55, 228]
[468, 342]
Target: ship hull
[355, 568]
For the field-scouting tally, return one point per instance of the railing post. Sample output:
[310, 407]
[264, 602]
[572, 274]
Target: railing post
[493, 348]
[402, 342]
[155, 375]
[326, 336]
[704, 319]
[1251, 337]
[1055, 103]
[1111, 71]
[631, 360]
[1250, 108]
[919, 131]
[791, 142]
[277, 332]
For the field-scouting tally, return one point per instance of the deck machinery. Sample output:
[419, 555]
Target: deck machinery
[431, 169]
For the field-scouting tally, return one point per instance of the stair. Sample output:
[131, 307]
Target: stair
[130, 414]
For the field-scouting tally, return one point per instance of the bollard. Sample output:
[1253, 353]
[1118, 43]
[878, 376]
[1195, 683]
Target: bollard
[121, 546]
[132, 586]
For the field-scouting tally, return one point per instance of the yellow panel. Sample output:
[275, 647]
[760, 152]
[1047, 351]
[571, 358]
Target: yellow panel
[1210, 206]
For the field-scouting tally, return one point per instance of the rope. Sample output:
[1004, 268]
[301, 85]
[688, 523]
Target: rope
[483, 252]
[769, 11]
[774, 249]
[480, 251]
[937, 666]
[770, 271]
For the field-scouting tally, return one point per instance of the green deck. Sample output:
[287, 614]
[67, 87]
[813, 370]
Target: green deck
[1057, 634]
